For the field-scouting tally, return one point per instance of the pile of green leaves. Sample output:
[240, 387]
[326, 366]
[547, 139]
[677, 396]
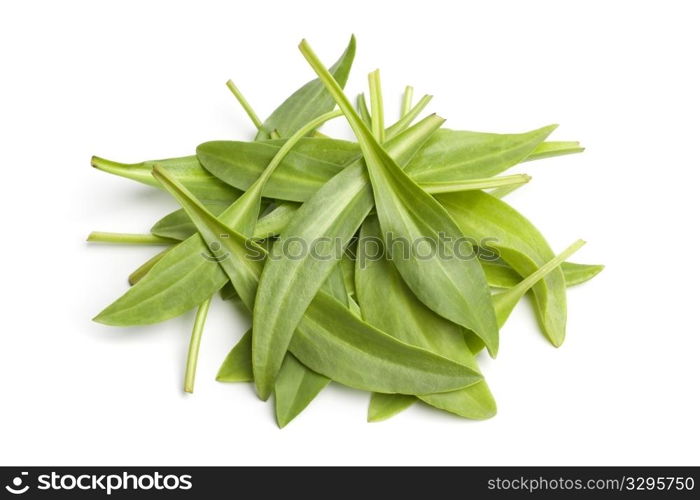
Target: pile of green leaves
[403, 327]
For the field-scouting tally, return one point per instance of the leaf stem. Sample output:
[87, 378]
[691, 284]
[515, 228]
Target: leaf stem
[128, 238]
[406, 119]
[543, 271]
[362, 109]
[291, 142]
[377, 105]
[407, 100]
[244, 104]
[505, 190]
[555, 148]
[505, 302]
[517, 291]
[195, 341]
[134, 171]
[109, 165]
[473, 184]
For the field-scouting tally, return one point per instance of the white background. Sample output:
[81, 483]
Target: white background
[143, 80]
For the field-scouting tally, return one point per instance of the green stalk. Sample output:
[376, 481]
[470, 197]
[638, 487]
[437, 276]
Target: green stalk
[244, 104]
[406, 119]
[134, 171]
[377, 104]
[195, 341]
[407, 100]
[505, 190]
[555, 148]
[472, 184]
[530, 281]
[505, 302]
[290, 143]
[128, 238]
[246, 203]
[362, 109]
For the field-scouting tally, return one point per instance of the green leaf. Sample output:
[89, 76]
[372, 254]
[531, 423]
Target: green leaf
[474, 402]
[335, 286]
[501, 275]
[316, 160]
[454, 288]
[554, 148]
[248, 208]
[575, 274]
[181, 280]
[308, 102]
[504, 302]
[187, 170]
[248, 205]
[178, 226]
[295, 387]
[503, 191]
[238, 365]
[389, 304]
[330, 340]
[474, 184]
[303, 171]
[458, 154]
[306, 382]
[327, 221]
[384, 406]
[189, 274]
[520, 244]
[232, 165]
[144, 268]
